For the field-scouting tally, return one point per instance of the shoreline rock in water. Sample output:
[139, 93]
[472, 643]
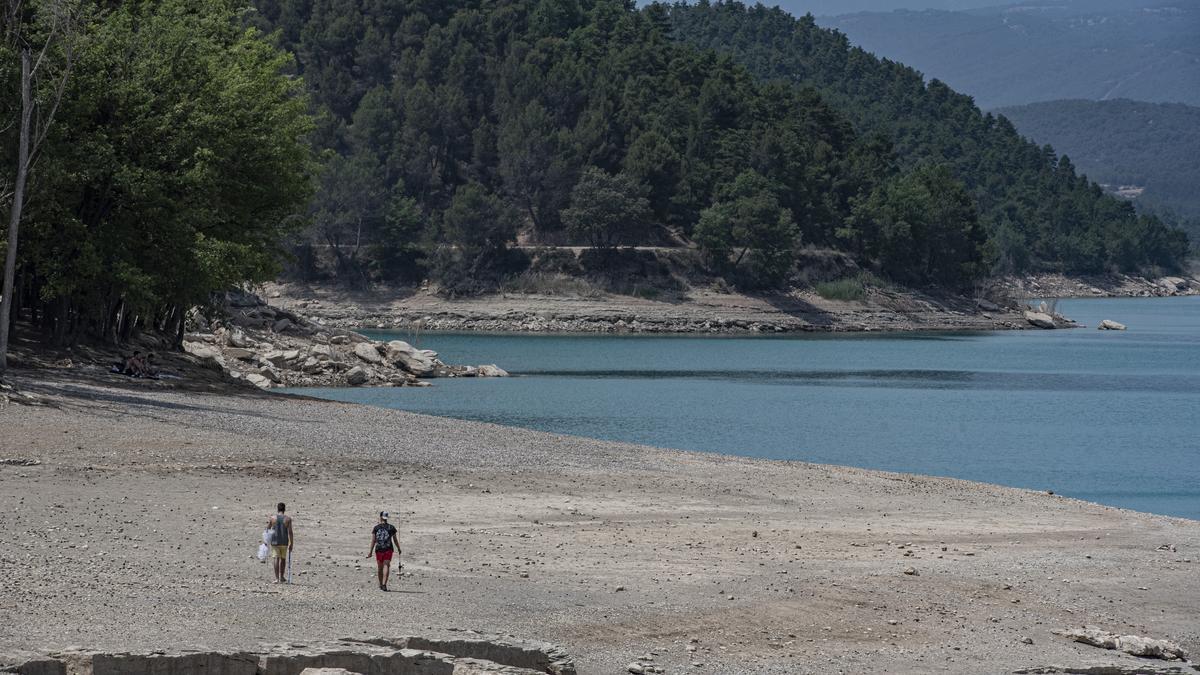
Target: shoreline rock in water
[1045, 317]
[270, 347]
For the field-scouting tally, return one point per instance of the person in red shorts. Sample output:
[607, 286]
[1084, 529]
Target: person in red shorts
[383, 543]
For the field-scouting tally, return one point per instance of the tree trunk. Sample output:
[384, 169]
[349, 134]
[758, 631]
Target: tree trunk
[18, 201]
[180, 327]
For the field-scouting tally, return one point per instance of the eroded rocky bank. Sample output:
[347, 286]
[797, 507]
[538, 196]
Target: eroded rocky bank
[1043, 286]
[1001, 305]
[272, 347]
[703, 311]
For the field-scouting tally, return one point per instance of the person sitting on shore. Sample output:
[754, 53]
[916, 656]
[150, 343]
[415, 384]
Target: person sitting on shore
[149, 369]
[134, 366]
[383, 542]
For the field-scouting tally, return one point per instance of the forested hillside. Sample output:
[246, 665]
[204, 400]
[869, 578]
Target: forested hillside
[1043, 50]
[1039, 212]
[1150, 146]
[449, 127]
[422, 139]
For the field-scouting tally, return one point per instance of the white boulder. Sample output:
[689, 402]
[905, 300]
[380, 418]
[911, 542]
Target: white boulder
[237, 338]
[403, 355]
[271, 374]
[358, 376]
[491, 370]
[201, 350]
[1110, 325]
[275, 358]
[368, 352]
[1040, 319]
[258, 380]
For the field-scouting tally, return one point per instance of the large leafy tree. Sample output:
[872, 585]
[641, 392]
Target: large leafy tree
[349, 206]
[748, 229]
[606, 211]
[925, 229]
[168, 177]
[39, 45]
[475, 232]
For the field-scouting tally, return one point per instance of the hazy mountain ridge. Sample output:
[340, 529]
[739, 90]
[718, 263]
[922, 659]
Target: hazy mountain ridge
[999, 55]
[1151, 146]
[1036, 208]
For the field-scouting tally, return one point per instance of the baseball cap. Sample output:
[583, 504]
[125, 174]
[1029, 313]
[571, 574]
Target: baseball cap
[383, 514]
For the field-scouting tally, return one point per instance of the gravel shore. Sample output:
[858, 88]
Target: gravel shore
[707, 310]
[131, 514]
[702, 311]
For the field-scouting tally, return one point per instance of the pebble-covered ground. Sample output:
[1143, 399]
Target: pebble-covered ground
[130, 515]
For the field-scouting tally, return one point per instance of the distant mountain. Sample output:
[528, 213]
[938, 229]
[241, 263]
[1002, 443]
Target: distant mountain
[1039, 212]
[829, 7]
[1149, 151]
[832, 7]
[1038, 52]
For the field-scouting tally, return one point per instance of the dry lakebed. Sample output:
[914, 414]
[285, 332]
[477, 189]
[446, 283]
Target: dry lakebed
[130, 513]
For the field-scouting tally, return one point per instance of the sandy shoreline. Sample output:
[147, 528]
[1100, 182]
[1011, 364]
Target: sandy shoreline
[137, 529]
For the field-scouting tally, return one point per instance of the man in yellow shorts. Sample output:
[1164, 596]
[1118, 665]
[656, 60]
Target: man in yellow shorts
[282, 540]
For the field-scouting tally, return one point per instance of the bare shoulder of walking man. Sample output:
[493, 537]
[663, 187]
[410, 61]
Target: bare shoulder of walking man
[282, 540]
[383, 543]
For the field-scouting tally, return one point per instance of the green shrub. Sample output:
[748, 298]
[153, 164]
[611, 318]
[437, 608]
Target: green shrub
[549, 283]
[850, 289]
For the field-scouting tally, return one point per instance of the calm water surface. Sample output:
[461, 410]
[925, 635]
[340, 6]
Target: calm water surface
[1103, 416]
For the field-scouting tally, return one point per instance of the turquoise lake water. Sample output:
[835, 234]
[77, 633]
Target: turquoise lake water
[1111, 417]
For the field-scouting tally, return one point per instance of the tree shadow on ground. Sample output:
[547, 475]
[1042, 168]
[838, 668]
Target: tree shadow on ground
[816, 318]
[66, 389]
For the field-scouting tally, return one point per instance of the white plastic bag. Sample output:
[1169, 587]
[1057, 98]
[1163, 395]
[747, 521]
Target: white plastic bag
[268, 539]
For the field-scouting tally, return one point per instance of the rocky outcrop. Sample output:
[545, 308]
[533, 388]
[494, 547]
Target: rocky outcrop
[1040, 320]
[270, 347]
[1097, 286]
[394, 656]
[367, 351]
[418, 362]
[1110, 325]
[1130, 644]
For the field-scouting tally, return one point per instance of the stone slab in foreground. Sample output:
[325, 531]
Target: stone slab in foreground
[376, 656]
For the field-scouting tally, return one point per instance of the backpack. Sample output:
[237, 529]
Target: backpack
[383, 537]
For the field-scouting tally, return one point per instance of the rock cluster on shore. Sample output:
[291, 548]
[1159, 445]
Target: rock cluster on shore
[271, 347]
